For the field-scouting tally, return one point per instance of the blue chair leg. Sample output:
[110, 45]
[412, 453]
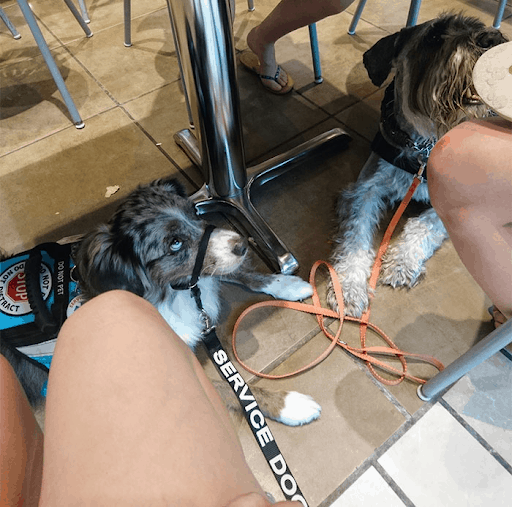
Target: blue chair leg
[499, 14]
[9, 25]
[78, 17]
[412, 17]
[50, 62]
[250, 5]
[356, 17]
[414, 10]
[83, 10]
[315, 53]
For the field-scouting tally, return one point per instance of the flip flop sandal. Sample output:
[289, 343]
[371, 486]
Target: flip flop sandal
[251, 62]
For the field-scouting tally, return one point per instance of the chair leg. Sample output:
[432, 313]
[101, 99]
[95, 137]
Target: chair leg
[499, 14]
[9, 25]
[250, 5]
[412, 17]
[483, 350]
[83, 10]
[50, 62]
[356, 17]
[315, 53]
[127, 23]
[414, 10]
[78, 17]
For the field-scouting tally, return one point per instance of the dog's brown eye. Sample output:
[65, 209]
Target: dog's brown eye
[176, 245]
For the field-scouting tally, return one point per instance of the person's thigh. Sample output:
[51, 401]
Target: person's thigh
[21, 443]
[131, 418]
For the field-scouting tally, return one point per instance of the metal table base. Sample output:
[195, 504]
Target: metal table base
[204, 43]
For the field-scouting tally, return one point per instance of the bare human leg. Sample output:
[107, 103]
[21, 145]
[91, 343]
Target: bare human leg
[289, 15]
[133, 420]
[470, 184]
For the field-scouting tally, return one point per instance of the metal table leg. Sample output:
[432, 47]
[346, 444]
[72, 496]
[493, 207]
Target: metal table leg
[204, 39]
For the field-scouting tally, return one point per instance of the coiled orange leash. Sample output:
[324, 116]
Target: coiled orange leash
[364, 353]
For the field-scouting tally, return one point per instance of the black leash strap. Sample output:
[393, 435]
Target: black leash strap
[254, 417]
[226, 369]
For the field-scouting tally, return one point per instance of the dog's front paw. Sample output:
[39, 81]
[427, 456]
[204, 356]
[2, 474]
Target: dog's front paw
[299, 409]
[401, 270]
[355, 299]
[353, 271]
[289, 287]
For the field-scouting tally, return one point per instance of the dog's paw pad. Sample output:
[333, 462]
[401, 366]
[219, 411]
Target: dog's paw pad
[291, 288]
[299, 409]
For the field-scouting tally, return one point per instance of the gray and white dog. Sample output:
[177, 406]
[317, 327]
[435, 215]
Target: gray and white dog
[432, 91]
[149, 247]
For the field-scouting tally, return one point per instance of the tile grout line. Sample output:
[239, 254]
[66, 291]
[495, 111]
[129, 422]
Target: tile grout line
[474, 433]
[400, 493]
[377, 453]
[119, 105]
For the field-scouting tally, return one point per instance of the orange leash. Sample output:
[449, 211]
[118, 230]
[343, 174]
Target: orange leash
[364, 353]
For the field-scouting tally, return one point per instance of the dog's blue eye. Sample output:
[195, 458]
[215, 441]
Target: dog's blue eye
[176, 245]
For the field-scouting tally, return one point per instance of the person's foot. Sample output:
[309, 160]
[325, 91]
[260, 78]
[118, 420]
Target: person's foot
[497, 317]
[272, 75]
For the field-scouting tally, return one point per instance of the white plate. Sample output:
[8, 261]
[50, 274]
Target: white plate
[492, 77]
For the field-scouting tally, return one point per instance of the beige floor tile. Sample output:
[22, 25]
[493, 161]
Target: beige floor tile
[162, 113]
[442, 320]
[56, 187]
[127, 73]
[32, 106]
[16, 50]
[322, 454]
[364, 116]
[269, 120]
[369, 489]
[438, 462]
[62, 23]
[483, 398]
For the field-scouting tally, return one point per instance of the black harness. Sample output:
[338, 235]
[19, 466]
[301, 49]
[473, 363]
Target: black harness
[390, 142]
[227, 370]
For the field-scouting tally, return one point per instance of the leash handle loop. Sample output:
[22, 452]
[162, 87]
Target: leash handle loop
[320, 312]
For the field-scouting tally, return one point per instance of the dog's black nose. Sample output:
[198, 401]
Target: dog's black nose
[490, 39]
[240, 248]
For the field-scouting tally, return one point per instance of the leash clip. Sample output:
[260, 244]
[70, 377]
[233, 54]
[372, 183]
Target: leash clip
[208, 325]
[423, 165]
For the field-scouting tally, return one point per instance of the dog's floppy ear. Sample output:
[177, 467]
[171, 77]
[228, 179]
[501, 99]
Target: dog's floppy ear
[105, 265]
[378, 60]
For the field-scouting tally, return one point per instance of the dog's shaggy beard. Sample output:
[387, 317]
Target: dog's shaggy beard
[438, 75]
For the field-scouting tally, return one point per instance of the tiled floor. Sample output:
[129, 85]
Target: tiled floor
[373, 445]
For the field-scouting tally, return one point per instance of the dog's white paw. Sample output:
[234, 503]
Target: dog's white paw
[353, 270]
[401, 270]
[299, 409]
[289, 287]
[354, 304]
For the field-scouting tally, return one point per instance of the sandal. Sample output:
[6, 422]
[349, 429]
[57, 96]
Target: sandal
[251, 62]
[497, 317]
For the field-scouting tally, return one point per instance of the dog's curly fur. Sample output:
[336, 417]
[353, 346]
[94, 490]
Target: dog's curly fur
[432, 91]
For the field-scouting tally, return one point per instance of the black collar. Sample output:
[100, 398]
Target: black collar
[391, 142]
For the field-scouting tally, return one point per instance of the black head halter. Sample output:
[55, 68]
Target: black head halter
[196, 272]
